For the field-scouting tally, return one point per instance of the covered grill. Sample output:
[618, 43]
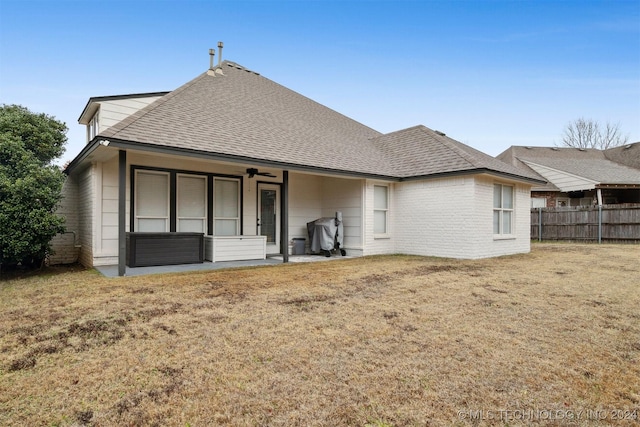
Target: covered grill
[326, 235]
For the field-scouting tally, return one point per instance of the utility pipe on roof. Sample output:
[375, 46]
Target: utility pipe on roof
[212, 53]
[220, 46]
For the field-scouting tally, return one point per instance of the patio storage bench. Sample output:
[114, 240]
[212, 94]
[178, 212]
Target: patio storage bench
[146, 249]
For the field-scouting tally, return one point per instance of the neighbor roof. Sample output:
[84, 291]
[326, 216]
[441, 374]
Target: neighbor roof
[628, 154]
[591, 164]
[233, 113]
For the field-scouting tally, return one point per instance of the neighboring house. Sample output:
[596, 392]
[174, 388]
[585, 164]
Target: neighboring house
[249, 162]
[578, 177]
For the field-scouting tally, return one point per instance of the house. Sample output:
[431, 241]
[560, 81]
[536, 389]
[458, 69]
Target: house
[578, 177]
[247, 162]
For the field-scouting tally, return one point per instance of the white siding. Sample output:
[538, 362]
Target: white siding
[345, 195]
[234, 248]
[86, 198]
[114, 111]
[563, 180]
[305, 203]
[108, 223]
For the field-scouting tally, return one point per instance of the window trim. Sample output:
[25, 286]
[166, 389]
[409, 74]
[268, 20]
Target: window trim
[239, 204]
[93, 127]
[137, 217]
[206, 193]
[210, 225]
[501, 210]
[384, 234]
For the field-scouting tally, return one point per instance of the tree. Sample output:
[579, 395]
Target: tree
[30, 185]
[587, 133]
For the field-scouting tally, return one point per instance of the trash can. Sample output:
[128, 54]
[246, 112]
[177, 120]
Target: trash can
[298, 245]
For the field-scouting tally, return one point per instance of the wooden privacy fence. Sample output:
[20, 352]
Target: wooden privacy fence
[610, 223]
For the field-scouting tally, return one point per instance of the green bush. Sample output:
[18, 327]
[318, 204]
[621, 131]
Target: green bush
[30, 185]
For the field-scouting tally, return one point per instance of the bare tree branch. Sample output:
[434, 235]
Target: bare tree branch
[587, 133]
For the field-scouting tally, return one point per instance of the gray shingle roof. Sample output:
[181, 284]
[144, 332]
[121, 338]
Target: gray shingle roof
[420, 151]
[235, 112]
[590, 163]
[628, 155]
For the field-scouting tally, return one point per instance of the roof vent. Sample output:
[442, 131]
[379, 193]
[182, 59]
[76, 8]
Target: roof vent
[220, 46]
[212, 53]
[627, 147]
[554, 148]
[582, 149]
[440, 133]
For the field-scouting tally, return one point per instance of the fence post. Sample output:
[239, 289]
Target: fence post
[539, 224]
[599, 223]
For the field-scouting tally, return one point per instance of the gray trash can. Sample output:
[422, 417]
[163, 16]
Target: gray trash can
[298, 245]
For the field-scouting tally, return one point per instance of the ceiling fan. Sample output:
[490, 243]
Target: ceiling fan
[253, 172]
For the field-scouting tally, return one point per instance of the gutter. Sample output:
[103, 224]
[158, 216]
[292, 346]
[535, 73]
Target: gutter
[143, 146]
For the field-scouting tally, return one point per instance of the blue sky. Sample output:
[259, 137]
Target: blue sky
[490, 74]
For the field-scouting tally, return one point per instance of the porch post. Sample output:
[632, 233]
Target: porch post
[122, 208]
[285, 217]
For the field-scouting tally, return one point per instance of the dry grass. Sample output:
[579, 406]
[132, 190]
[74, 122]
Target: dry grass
[378, 341]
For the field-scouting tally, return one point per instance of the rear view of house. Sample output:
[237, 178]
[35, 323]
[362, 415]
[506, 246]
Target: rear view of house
[247, 163]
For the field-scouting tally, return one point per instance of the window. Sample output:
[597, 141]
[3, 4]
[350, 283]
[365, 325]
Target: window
[502, 209]
[152, 201]
[92, 127]
[227, 207]
[380, 209]
[192, 203]
[177, 201]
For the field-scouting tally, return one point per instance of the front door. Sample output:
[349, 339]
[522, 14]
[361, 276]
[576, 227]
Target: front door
[269, 216]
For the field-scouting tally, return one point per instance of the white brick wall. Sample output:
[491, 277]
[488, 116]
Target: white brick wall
[452, 217]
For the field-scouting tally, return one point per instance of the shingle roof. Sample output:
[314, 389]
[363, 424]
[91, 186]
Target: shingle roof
[628, 154]
[420, 151]
[588, 163]
[235, 112]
